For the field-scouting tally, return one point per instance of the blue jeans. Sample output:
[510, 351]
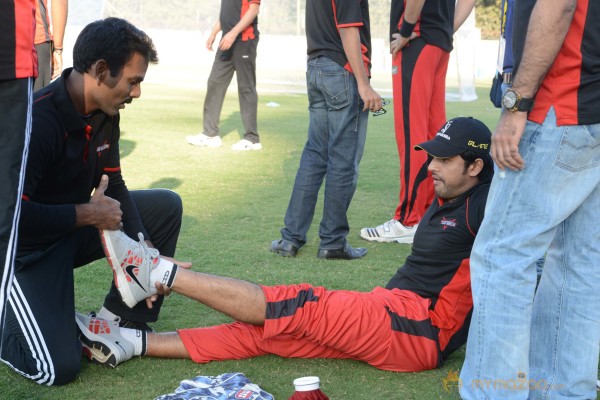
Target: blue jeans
[545, 348]
[336, 139]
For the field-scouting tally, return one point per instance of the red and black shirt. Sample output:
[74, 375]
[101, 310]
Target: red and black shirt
[438, 267]
[324, 18]
[68, 154]
[435, 24]
[232, 12]
[18, 58]
[572, 84]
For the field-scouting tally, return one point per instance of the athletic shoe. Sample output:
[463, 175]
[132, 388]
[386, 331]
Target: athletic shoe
[245, 144]
[203, 140]
[102, 342]
[390, 231]
[131, 263]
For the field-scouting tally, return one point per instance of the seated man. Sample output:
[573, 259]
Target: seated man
[74, 149]
[413, 324]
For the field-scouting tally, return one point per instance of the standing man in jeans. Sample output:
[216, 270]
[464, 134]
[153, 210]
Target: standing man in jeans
[545, 200]
[18, 68]
[237, 53]
[340, 96]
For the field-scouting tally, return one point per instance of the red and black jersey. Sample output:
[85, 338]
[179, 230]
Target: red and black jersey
[324, 18]
[435, 24]
[232, 12]
[68, 154]
[18, 58]
[438, 267]
[572, 84]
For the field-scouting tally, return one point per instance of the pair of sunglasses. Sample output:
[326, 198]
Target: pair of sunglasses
[381, 111]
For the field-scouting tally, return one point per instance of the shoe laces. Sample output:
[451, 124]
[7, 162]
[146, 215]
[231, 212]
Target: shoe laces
[145, 249]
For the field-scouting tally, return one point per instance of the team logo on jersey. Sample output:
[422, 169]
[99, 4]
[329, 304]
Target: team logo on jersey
[100, 149]
[243, 394]
[448, 223]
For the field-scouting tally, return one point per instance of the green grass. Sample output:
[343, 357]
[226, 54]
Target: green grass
[234, 205]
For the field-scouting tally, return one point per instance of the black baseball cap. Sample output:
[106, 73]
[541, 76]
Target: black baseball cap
[457, 136]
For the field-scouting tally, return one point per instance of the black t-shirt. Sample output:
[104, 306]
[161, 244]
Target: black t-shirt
[323, 21]
[435, 24]
[232, 12]
[443, 241]
[68, 154]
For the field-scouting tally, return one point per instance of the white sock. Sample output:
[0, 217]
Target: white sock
[137, 337]
[164, 273]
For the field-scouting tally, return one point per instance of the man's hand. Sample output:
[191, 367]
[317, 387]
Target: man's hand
[57, 63]
[227, 41]
[370, 97]
[102, 211]
[210, 41]
[399, 42]
[506, 138]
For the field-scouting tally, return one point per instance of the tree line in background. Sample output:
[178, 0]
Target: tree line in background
[277, 17]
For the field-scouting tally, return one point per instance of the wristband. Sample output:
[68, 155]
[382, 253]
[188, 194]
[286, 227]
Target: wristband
[58, 51]
[406, 29]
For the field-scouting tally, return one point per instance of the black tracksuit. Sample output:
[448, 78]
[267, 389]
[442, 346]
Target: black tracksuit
[68, 155]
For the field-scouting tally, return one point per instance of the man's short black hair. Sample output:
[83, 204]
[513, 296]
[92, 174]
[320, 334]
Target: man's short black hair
[113, 40]
[487, 172]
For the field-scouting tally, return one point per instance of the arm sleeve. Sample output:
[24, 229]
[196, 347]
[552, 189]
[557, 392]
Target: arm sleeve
[117, 189]
[347, 13]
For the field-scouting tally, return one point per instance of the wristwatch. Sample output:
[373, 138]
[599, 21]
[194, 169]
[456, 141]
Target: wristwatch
[513, 101]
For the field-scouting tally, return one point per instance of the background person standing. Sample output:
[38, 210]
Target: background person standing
[49, 39]
[236, 53]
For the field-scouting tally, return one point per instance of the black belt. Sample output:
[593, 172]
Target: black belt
[507, 78]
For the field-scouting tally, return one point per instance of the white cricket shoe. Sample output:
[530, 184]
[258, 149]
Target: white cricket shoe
[131, 263]
[203, 140]
[102, 342]
[390, 231]
[245, 144]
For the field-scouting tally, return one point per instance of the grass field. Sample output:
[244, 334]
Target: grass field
[234, 205]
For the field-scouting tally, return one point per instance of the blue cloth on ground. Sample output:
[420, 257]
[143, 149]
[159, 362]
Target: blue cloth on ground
[230, 386]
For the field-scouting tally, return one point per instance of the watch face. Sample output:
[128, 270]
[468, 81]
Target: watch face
[509, 99]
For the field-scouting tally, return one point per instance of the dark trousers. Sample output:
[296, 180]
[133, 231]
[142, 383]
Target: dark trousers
[15, 130]
[44, 54]
[40, 334]
[241, 59]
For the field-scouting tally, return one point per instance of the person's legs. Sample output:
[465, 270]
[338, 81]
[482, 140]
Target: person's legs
[565, 329]
[347, 127]
[313, 162]
[161, 211]
[216, 88]
[419, 111]
[385, 328]
[508, 245]
[40, 338]
[44, 54]
[15, 130]
[244, 61]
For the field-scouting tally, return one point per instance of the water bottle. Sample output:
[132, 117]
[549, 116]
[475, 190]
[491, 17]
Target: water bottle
[307, 388]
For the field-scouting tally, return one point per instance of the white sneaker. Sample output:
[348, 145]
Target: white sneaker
[203, 140]
[245, 144]
[102, 342]
[131, 263]
[390, 231]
